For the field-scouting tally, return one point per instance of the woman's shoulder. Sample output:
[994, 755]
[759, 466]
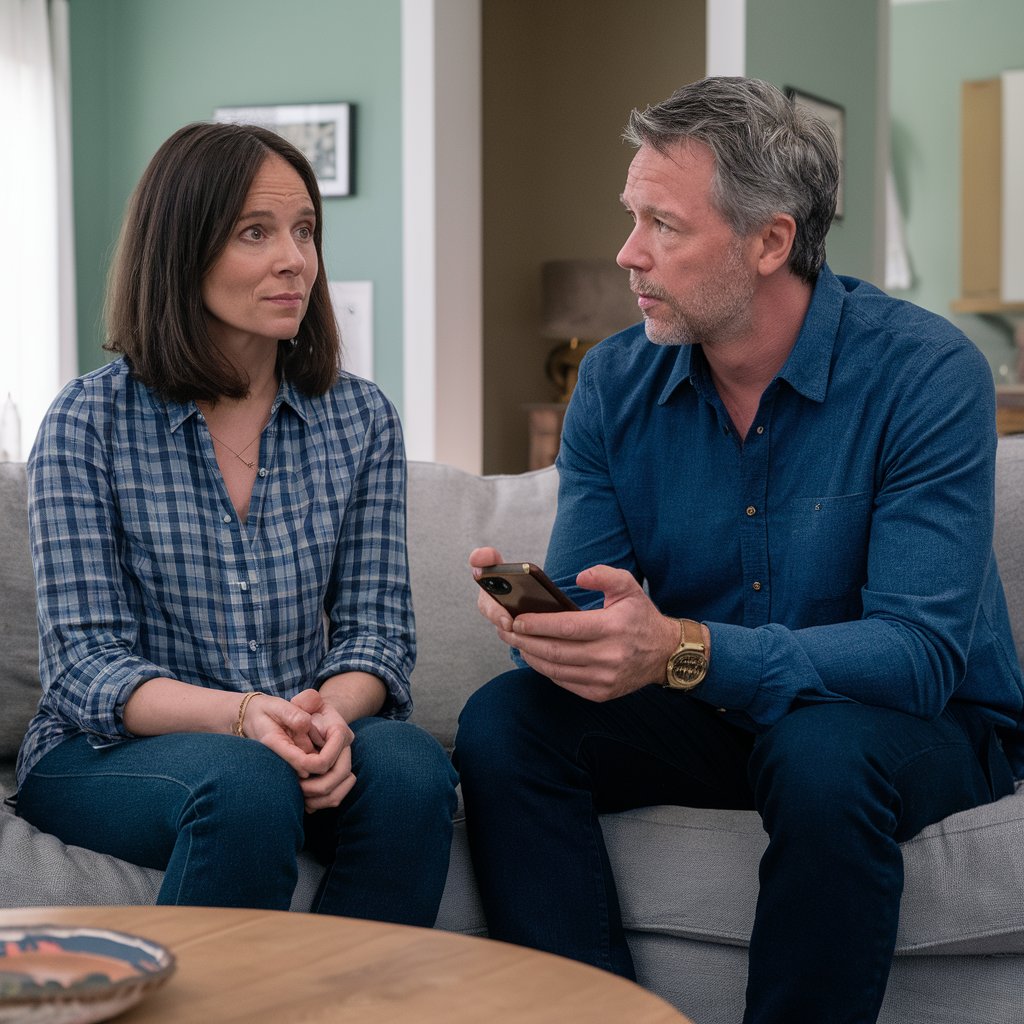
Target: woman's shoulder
[359, 396]
[89, 396]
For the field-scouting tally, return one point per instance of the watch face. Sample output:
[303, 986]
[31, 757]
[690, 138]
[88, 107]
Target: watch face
[688, 667]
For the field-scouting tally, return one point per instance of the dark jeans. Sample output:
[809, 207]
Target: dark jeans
[223, 817]
[838, 786]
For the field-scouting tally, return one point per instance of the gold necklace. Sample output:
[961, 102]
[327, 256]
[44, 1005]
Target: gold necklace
[238, 455]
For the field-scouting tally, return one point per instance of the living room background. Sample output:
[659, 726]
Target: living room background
[141, 68]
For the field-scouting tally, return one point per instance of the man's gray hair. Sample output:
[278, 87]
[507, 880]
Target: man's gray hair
[770, 157]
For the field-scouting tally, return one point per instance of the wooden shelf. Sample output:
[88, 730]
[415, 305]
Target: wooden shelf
[986, 306]
[1010, 408]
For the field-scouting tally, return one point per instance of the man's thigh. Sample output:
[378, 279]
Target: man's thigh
[828, 756]
[652, 746]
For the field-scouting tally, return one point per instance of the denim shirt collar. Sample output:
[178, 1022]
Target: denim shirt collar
[807, 368]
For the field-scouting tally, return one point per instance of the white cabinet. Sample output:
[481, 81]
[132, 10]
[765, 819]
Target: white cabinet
[992, 204]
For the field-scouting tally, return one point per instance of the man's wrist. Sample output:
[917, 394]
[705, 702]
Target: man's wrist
[687, 665]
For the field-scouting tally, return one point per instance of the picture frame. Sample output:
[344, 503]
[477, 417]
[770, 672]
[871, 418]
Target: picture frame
[322, 131]
[834, 115]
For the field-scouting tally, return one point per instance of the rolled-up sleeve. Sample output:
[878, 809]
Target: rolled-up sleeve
[87, 608]
[369, 601]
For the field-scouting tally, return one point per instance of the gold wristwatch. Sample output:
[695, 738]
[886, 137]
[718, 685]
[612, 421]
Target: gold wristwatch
[688, 664]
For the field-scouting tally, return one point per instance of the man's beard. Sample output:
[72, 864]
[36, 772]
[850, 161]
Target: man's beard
[715, 313]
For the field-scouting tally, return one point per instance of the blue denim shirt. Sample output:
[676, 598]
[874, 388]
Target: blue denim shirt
[843, 550]
[143, 568]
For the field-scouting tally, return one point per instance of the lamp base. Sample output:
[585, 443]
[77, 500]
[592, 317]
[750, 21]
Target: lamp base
[563, 365]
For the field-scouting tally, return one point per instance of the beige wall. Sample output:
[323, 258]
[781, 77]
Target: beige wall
[559, 80]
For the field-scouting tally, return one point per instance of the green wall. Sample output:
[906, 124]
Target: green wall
[936, 47]
[142, 68]
[829, 48]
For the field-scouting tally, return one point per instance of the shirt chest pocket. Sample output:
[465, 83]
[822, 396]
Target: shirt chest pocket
[819, 546]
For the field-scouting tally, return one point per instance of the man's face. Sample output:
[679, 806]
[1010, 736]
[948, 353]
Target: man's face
[693, 277]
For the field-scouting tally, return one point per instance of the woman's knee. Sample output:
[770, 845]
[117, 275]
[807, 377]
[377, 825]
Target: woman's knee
[403, 764]
[245, 785]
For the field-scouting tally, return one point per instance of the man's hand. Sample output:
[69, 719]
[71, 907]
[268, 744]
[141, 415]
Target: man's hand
[599, 654]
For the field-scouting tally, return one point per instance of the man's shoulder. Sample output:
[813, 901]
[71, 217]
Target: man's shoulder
[867, 307]
[628, 355]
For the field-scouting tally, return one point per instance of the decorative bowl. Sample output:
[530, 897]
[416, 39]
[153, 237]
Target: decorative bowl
[50, 974]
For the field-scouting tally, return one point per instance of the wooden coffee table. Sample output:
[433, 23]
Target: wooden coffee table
[284, 967]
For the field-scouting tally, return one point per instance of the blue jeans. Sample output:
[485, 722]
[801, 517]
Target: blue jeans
[838, 787]
[223, 817]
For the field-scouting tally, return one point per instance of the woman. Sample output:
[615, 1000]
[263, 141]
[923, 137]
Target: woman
[197, 507]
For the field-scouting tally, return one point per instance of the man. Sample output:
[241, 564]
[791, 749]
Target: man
[800, 469]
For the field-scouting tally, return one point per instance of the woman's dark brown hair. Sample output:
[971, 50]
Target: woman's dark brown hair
[179, 220]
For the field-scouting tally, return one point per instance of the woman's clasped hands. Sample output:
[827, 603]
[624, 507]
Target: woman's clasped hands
[310, 735]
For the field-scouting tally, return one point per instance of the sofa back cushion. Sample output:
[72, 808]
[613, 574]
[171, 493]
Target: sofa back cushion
[19, 639]
[450, 513]
[1009, 535]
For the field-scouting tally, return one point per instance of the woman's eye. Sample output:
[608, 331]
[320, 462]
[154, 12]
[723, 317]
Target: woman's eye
[305, 233]
[254, 234]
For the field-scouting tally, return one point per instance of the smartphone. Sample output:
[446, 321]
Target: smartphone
[522, 587]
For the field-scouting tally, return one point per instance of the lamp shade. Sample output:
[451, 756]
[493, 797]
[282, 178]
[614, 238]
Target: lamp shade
[585, 299]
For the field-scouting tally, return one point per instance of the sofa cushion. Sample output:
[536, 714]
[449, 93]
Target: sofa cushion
[450, 513]
[1009, 531]
[19, 651]
[697, 877]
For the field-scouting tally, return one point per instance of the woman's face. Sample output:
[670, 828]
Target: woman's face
[258, 289]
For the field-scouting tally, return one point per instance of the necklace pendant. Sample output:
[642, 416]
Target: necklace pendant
[251, 465]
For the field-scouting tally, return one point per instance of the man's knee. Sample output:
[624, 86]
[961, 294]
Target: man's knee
[497, 717]
[816, 764]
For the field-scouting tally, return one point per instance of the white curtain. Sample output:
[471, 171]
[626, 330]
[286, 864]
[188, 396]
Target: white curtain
[38, 349]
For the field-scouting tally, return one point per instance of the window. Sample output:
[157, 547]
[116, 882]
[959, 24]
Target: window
[37, 336]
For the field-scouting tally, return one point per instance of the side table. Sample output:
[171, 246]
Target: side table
[545, 432]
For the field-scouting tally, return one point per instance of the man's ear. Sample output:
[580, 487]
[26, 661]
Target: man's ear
[776, 243]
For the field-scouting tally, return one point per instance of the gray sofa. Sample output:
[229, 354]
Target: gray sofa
[687, 878]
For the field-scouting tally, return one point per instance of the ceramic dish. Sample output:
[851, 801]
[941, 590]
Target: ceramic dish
[55, 975]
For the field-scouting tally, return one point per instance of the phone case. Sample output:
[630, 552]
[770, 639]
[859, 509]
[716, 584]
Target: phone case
[523, 587]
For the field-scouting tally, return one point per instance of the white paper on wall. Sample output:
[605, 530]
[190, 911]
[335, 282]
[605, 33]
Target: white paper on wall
[353, 309]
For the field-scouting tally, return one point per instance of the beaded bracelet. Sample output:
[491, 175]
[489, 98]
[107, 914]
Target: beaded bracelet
[241, 711]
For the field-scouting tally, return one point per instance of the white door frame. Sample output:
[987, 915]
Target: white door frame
[442, 218]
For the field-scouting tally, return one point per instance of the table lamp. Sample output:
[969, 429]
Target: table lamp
[583, 301]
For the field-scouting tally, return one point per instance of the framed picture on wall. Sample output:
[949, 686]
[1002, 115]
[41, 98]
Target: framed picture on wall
[835, 117]
[322, 131]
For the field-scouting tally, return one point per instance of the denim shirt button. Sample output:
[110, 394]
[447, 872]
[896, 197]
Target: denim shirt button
[757, 584]
[751, 511]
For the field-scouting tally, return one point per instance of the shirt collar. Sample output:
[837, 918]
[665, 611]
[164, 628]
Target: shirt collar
[287, 394]
[807, 368]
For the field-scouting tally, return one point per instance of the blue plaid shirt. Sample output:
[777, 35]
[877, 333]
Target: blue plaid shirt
[143, 568]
